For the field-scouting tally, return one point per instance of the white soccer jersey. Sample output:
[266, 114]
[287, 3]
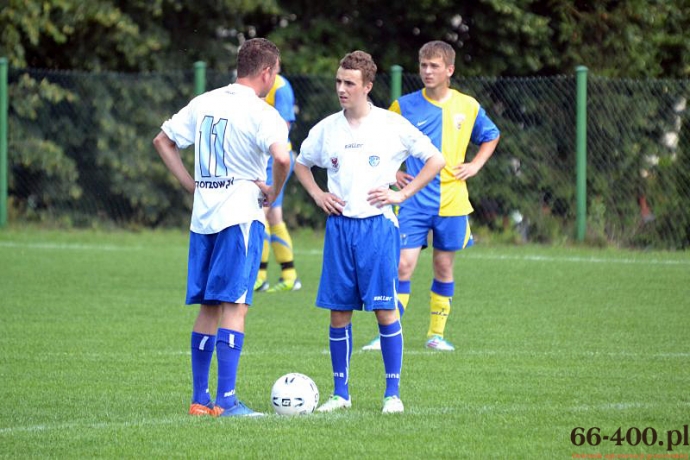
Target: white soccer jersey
[232, 129]
[362, 159]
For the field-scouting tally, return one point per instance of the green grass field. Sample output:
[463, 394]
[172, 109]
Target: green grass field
[94, 341]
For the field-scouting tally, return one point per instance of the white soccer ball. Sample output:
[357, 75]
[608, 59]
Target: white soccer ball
[294, 394]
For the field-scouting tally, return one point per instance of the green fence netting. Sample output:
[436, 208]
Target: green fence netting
[80, 153]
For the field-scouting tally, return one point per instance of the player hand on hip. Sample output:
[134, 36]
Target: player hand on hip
[331, 204]
[383, 196]
[269, 194]
[464, 171]
[402, 179]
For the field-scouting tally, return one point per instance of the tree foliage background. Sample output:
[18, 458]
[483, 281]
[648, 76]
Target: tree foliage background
[91, 82]
[635, 38]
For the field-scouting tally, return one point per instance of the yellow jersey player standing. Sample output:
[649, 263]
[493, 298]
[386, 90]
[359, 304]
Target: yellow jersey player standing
[276, 236]
[451, 120]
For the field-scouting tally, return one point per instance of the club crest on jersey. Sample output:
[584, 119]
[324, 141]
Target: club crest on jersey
[334, 163]
[374, 160]
[458, 119]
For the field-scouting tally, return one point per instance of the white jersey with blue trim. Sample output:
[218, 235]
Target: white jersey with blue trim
[364, 158]
[232, 130]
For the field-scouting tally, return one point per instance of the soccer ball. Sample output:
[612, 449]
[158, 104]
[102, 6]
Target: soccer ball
[294, 394]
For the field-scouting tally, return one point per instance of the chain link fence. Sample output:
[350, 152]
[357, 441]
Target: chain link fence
[80, 153]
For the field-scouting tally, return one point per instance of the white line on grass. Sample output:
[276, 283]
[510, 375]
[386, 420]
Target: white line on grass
[98, 356]
[68, 246]
[414, 411]
[318, 252]
[588, 354]
[426, 352]
[595, 260]
[81, 426]
[536, 258]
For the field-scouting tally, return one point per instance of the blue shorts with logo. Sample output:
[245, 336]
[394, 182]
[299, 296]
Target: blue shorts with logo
[360, 264]
[222, 267]
[450, 233]
[269, 178]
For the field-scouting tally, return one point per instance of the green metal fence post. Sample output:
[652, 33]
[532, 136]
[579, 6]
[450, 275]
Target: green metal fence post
[581, 149]
[4, 111]
[396, 82]
[199, 77]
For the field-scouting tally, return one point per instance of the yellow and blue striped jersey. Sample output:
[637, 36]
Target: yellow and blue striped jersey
[282, 98]
[451, 125]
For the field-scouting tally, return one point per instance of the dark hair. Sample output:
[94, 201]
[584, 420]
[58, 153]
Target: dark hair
[255, 55]
[359, 60]
[437, 48]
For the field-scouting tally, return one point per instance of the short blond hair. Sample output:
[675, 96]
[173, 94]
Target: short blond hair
[438, 48]
[362, 61]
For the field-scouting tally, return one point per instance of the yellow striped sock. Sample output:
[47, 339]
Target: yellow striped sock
[281, 243]
[440, 309]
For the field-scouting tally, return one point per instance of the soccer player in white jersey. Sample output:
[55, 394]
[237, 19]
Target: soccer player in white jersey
[234, 132]
[362, 147]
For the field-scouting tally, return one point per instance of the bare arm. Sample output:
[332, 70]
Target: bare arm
[384, 195]
[281, 167]
[464, 171]
[170, 154]
[330, 203]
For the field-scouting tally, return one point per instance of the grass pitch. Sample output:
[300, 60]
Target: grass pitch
[94, 353]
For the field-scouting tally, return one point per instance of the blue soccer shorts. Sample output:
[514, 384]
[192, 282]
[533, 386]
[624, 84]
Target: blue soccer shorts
[360, 264]
[450, 233]
[269, 179]
[222, 267]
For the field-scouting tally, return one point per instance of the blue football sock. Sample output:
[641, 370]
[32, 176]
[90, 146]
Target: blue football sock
[349, 344]
[392, 352]
[202, 352]
[228, 351]
[443, 289]
[341, 350]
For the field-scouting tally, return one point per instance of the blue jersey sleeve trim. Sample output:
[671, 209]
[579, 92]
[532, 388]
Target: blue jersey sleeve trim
[484, 129]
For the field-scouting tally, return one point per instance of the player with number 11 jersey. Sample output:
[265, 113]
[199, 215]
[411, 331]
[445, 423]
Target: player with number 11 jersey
[218, 122]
